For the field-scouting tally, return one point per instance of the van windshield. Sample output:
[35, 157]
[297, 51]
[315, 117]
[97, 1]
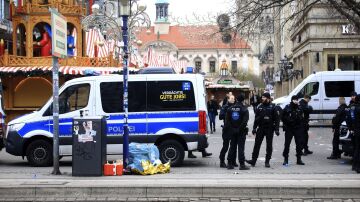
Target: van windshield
[310, 89]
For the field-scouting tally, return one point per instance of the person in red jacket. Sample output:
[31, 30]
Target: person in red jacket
[45, 42]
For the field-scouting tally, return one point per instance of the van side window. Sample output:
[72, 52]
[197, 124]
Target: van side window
[311, 89]
[71, 99]
[339, 88]
[112, 96]
[170, 96]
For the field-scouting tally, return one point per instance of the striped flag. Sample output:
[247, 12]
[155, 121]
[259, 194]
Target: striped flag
[93, 36]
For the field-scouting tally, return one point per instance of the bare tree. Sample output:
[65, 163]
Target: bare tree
[248, 13]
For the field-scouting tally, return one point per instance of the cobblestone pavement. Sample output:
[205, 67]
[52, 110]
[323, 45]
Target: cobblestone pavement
[182, 199]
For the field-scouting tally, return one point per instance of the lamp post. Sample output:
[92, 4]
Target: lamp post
[106, 19]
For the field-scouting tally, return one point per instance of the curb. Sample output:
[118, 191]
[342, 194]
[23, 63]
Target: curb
[182, 191]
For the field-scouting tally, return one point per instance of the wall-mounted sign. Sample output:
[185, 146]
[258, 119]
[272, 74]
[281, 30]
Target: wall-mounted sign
[226, 81]
[349, 29]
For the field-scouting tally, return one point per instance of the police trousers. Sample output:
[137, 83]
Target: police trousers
[260, 134]
[298, 134]
[336, 142]
[238, 138]
[356, 157]
[306, 136]
[226, 141]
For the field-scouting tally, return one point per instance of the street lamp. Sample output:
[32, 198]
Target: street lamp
[105, 19]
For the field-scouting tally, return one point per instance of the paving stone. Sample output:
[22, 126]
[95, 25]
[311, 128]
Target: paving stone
[266, 200]
[300, 200]
[131, 199]
[337, 200]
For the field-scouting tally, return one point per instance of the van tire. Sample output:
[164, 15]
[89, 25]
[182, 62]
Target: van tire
[39, 153]
[173, 151]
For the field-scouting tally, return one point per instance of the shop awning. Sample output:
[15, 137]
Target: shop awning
[68, 70]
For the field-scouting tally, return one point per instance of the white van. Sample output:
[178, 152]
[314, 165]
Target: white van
[325, 88]
[167, 110]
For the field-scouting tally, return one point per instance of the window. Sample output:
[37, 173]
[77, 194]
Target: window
[73, 98]
[349, 62]
[198, 66]
[234, 66]
[338, 88]
[331, 62]
[112, 97]
[170, 96]
[309, 89]
[212, 66]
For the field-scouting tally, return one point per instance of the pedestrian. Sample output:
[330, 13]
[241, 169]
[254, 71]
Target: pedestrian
[254, 101]
[350, 122]
[212, 107]
[293, 124]
[307, 109]
[267, 118]
[237, 117]
[339, 117]
[356, 127]
[225, 135]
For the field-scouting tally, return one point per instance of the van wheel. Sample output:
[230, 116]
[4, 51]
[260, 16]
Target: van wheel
[39, 153]
[173, 151]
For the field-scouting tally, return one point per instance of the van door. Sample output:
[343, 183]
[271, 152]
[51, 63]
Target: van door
[72, 100]
[313, 88]
[111, 106]
[336, 87]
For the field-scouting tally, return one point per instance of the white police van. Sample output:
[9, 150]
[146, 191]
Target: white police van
[167, 110]
[325, 88]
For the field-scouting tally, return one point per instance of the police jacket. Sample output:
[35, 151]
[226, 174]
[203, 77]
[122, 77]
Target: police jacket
[212, 106]
[223, 111]
[350, 116]
[355, 114]
[267, 116]
[237, 116]
[292, 116]
[339, 117]
[307, 109]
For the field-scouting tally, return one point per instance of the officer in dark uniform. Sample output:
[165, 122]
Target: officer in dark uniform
[339, 117]
[225, 135]
[237, 117]
[267, 118]
[350, 122]
[293, 120]
[356, 127]
[307, 109]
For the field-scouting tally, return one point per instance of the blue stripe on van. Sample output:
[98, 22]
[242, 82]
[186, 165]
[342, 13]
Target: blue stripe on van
[117, 128]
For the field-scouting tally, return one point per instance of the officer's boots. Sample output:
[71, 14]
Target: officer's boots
[243, 166]
[222, 164]
[230, 165]
[286, 161]
[299, 161]
[267, 163]
[251, 162]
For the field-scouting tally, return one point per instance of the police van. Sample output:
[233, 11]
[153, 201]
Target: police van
[325, 88]
[168, 111]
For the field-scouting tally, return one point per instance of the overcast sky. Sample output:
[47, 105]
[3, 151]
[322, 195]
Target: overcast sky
[180, 9]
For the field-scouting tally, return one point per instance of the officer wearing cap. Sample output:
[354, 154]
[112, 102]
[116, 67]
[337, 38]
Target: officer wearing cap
[267, 118]
[237, 117]
[307, 109]
[293, 120]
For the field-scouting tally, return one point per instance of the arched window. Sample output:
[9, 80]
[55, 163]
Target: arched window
[26, 96]
[42, 39]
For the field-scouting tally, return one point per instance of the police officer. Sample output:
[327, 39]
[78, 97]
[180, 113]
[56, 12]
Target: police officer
[267, 118]
[307, 109]
[350, 122]
[356, 127]
[225, 135]
[293, 120]
[237, 117]
[338, 118]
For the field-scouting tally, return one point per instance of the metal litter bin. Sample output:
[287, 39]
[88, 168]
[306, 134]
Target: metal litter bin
[89, 146]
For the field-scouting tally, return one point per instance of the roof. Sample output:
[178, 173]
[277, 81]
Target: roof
[192, 37]
[67, 70]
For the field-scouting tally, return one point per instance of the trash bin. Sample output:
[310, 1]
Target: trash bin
[89, 146]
